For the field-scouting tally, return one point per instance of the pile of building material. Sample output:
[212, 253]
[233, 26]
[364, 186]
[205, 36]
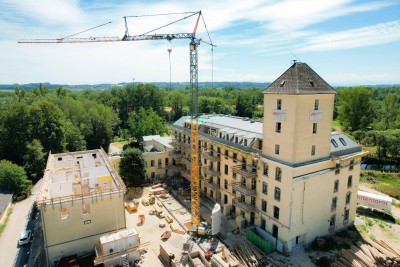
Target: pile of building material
[372, 253]
[250, 256]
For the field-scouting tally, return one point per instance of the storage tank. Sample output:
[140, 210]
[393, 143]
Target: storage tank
[216, 219]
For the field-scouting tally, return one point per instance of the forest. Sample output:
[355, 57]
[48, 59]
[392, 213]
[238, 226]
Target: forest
[36, 121]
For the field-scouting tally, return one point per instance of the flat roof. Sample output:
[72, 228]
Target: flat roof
[78, 175]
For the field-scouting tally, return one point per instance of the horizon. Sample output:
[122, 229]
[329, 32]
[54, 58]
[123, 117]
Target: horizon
[347, 42]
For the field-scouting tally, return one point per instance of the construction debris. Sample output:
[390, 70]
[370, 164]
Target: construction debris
[369, 254]
[250, 256]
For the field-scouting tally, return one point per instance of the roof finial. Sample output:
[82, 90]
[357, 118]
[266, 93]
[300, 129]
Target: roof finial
[294, 61]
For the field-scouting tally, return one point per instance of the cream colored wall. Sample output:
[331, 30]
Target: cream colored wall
[159, 171]
[106, 214]
[296, 137]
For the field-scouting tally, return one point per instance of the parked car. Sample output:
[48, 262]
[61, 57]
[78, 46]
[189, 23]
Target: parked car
[25, 238]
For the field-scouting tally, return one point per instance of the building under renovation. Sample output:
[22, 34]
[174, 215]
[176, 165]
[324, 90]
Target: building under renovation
[81, 198]
[289, 174]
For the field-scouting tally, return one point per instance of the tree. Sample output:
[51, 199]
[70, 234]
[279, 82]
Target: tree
[356, 109]
[132, 167]
[145, 122]
[34, 160]
[74, 138]
[177, 102]
[14, 179]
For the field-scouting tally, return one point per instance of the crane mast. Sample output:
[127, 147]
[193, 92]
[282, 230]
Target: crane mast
[194, 123]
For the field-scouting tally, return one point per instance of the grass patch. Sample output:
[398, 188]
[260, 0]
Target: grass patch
[386, 183]
[3, 225]
[336, 125]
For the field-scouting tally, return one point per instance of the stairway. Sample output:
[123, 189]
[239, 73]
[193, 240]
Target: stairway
[125, 261]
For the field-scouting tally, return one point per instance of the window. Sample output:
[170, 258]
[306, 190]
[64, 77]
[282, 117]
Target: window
[316, 104]
[166, 161]
[332, 222]
[234, 175]
[276, 212]
[336, 186]
[205, 161]
[350, 181]
[351, 166]
[245, 142]
[348, 197]
[278, 174]
[227, 137]
[225, 199]
[263, 224]
[314, 128]
[153, 175]
[205, 145]
[226, 184]
[226, 153]
[226, 169]
[152, 163]
[277, 149]
[337, 170]
[266, 169]
[334, 204]
[264, 205]
[243, 182]
[159, 163]
[253, 201]
[277, 194]
[236, 139]
[346, 215]
[86, 208]
[265, 188]
[220, 135]
[313, 150]
[235, 156]
[334, 143]
[282, 83]
[278, 127]
[342, 141]
[279, 104]
[64, 213]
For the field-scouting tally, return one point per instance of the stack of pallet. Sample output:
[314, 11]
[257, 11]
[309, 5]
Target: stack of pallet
[369, 254]
[249, 256]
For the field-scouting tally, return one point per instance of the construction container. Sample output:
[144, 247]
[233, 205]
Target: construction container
[255, 235]
[132, 207]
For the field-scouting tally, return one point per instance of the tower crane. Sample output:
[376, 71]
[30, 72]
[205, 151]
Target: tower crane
[193, 54]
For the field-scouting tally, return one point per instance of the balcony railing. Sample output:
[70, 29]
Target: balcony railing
[212, 185]
[186, 174]
[210, 157]
[243, 205]
[186, 160]
[244, 172]
[243, 189]
[211, 172]
[176, 154]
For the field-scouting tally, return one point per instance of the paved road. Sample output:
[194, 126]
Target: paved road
[16, 224]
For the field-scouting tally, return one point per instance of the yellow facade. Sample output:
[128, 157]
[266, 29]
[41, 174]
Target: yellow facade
[289, 174]
[79, 202]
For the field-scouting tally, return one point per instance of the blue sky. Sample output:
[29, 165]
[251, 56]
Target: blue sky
[347, 42]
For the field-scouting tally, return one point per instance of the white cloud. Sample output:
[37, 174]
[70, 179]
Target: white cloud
[365, 36]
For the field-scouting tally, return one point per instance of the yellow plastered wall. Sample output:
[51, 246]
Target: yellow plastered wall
[296, 137]
[62, 235]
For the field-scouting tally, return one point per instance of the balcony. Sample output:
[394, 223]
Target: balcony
[211, 172]
[243, 189]
[177, 167]
[244, 172]
[243, 205]
[213, 186]
[186, 160]
[176, 154]
[210, 157]
[186, 174]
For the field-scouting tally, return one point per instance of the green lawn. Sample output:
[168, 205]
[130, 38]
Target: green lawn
[336, 125]
[386, 183]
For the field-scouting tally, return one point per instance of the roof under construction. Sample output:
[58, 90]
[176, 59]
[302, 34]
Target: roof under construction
[78, 175]
[299, 79]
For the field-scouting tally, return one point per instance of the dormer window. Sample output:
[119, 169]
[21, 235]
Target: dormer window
[282, 83]
[342, 141]
[245, 142]
[311, 82]
[334, 143]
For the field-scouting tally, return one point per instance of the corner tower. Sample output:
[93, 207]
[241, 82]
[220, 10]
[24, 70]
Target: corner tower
[298, 111]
